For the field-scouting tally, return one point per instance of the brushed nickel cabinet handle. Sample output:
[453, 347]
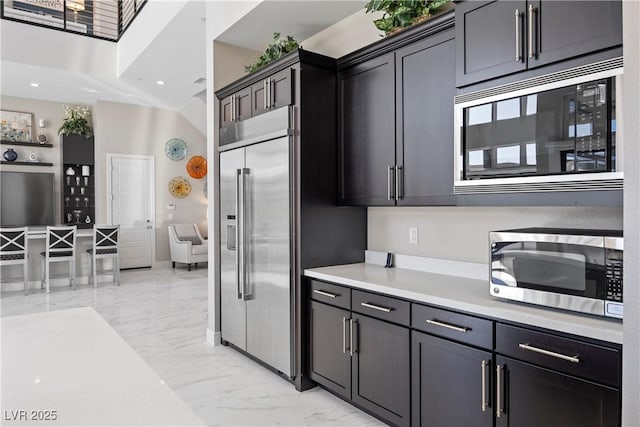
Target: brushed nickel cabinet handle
[518, 43]
[498, 391]
[572, 359]
[376, 307]
[532, 11]
[264, 94]
[325, 294]
[344, 335]
[351, 350]
[435, 322]
[389, 184]
[399, 182]
[483, 366]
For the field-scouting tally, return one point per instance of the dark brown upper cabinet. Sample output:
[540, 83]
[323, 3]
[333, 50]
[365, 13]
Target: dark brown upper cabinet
[367, 132]
[395, 102]
[496, 38]
[272, 92]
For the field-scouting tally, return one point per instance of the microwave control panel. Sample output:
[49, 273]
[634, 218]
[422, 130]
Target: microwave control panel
[614, 275]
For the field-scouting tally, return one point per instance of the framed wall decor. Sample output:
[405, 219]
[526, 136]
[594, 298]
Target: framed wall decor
[15, 126]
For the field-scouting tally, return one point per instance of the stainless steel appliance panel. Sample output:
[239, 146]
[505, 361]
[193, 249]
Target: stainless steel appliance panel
[268, 260]
[233, 311]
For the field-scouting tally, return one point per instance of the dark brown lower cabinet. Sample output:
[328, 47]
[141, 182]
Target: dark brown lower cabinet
[381, 369]
[531, 396]
[330, 360]
[451, 383]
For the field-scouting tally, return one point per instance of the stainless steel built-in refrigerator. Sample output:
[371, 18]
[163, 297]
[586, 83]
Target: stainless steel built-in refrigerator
[256, 241]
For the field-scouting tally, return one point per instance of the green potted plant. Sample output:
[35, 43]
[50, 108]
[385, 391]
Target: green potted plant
[400, 14]
[275, 50]
[77, 121]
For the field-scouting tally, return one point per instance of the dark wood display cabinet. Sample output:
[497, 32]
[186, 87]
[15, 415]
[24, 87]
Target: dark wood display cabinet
[78, 181]
[409, 363]
[396, 119]
[495, 38]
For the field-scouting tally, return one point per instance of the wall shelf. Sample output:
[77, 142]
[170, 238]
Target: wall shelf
[25, 144]
[4, 162]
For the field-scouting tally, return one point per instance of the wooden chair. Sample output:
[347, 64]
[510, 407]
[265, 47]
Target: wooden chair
[14, 250]
[60, 247]
[105, 246]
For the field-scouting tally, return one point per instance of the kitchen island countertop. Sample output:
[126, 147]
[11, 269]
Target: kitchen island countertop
[464, 294]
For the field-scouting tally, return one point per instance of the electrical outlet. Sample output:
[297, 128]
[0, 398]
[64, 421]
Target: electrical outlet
[413, 235]
[170, 217]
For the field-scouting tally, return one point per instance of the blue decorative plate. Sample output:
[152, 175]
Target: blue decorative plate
[175, 149]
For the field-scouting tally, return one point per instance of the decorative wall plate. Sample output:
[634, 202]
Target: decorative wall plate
[179, 187]
[175, 149]
[197, 167]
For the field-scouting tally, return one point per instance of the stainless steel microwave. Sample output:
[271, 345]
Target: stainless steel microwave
[556, 132]
[579, 270]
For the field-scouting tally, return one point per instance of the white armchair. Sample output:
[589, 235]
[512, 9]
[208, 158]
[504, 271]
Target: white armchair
[187, 245]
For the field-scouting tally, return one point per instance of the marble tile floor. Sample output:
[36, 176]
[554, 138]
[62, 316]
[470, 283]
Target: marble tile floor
[161, 313]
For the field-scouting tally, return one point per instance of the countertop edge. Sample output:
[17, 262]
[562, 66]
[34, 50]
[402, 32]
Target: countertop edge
[494, 308]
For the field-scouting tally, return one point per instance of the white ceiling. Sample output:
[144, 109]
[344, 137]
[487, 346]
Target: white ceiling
[176, 56]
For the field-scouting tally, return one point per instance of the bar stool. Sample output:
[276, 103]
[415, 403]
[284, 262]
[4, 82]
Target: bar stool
[105, 245]
[60, 247]
[14, 250]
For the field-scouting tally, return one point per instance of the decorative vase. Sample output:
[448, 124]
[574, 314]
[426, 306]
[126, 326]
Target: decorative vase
[10, 155]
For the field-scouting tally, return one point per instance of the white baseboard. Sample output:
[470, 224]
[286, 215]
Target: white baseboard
[213, 338]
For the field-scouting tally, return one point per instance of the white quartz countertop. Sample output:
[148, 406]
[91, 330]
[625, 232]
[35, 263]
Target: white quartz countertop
[463, 294]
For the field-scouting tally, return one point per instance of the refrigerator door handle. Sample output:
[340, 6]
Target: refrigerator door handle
[246, 287]
[239, 234]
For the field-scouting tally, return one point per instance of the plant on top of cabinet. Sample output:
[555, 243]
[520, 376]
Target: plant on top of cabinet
[399, 14]
[275, 50]
[77, 121]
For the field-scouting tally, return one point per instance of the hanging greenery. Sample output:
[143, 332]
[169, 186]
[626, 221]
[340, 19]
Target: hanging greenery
[77, 121]
[275, 50]
[399, 14]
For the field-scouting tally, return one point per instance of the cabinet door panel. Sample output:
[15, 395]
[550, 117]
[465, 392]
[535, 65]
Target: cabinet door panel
[539, 397]
[486, 40]
[381, 369]
[447, 383]
[258, 97]
[244, 104]
[225, 112]
[281, 89]
[330, 363]
[424, 146]
[565, 29]
[367, 131]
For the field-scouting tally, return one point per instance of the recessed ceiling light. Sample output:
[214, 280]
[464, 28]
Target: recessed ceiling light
[160, 82]
[90, 90]
[34, 84]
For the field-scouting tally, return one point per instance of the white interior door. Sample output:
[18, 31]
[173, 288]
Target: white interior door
[132, 179]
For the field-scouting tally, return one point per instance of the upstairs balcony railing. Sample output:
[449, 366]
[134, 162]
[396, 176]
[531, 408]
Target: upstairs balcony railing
[102, 19]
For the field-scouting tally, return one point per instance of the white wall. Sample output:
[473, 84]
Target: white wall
[631, 349]
[133, 129]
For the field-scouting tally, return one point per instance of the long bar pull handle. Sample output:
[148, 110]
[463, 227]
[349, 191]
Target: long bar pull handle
[498, 391]
[532, 11]
[389, 184]
[484, 385]
[264, 94]
[239, 243]
[246, 291]
[376, 307]
[272, 99]
[435, 322]
[231, 107]
[344, 335]
[518, 43]
[399, 182]
[352, 330]
[572, 359]
[325, 293]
